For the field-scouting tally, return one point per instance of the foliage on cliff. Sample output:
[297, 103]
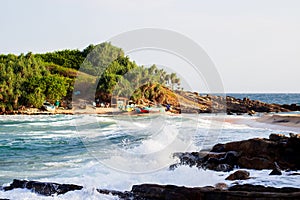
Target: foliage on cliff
[124, 78]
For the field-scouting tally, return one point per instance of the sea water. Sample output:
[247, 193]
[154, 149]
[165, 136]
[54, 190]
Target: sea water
[278, 98]
[116, 152]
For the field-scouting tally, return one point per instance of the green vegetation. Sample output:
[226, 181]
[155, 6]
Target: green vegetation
[124, 78]
[25, 80]
[31, 79]
[99, 57]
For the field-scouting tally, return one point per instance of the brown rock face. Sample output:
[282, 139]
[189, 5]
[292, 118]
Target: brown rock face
[263, 153]
[254, 153]
[189, 102]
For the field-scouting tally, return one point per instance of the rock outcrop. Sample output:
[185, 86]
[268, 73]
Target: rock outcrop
[42, 188]
[238, 192]
[278, 151]
[191, 102]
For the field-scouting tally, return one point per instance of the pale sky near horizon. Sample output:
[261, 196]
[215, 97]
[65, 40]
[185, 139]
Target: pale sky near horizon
[255, 44]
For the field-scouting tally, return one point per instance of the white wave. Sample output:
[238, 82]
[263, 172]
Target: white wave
[24, 194]
[146, 161]
[262, 177]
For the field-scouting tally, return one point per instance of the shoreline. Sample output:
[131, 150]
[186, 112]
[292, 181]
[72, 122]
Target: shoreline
[271, 154]
[290, 120]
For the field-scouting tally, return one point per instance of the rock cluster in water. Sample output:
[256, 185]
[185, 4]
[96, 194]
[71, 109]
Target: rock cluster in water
[277, 152]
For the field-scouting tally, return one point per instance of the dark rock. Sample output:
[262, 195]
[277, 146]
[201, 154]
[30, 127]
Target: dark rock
[46, 189]
[238, 192]
[260, 188]
[293, 135]
[238, 175]
[254, 153]
[122, 195]
[255, 162]
[294, 174]
[276, 170]
[188, 158]
[277, 137]
[218, 148]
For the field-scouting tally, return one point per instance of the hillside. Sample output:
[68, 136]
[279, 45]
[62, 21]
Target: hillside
[30, 80]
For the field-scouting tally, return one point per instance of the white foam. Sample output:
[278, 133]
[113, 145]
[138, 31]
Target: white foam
[148, 159]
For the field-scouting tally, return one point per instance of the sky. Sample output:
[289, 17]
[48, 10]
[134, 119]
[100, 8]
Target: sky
[254, 44]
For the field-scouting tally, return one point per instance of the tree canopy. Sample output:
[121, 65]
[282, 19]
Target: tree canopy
[31, 79]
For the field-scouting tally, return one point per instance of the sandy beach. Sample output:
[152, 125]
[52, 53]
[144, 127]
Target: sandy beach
[292, 120]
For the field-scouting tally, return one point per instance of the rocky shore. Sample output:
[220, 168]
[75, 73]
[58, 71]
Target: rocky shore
[277, 153]
[185, 102]
[171, 192]
[189, 102]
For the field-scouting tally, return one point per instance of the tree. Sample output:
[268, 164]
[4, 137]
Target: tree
[99, 57]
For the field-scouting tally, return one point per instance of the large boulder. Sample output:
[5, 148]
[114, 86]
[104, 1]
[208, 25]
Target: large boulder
[254, 153]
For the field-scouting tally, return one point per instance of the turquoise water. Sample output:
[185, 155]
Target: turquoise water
[115, 152]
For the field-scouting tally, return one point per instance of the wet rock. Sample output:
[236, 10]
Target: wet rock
[42, 188]
[294, 174]
[238, 175]
[255, 162]
[256, 153]
[188, 158]
[260, 188]
[276, 170]
[277, 137]
[238, 192]
[122, 195]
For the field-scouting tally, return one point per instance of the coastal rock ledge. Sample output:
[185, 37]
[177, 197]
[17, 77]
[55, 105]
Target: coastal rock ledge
[237, 192]
[279, 151]
[43, 188]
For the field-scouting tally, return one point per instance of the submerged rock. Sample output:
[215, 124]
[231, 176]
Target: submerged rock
[172, 192]
[42, 188]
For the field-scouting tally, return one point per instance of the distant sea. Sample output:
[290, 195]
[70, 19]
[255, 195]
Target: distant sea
[278, 98]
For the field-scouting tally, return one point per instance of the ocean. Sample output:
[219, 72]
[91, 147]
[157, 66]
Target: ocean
[278, 98]
[116, 152]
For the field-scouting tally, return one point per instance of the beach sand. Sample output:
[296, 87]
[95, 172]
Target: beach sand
[292, 120]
